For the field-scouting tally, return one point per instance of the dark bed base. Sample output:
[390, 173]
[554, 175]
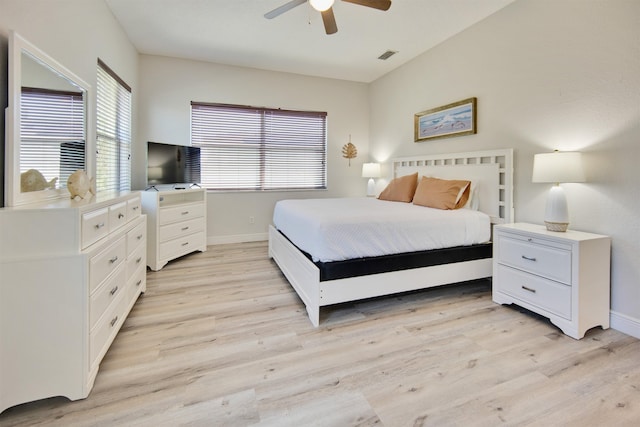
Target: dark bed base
[386, 263]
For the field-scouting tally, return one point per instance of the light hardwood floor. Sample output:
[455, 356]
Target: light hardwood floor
[221, 339]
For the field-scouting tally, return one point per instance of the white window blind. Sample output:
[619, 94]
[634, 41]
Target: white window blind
[113, 132]
[250, 148]
[52, 138]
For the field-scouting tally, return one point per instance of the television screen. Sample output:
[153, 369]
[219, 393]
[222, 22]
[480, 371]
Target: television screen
[172, 164]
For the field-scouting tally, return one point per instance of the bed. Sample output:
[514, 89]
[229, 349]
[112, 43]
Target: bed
[322, 278]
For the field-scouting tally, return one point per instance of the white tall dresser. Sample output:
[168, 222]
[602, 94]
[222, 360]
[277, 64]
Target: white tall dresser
[70, 272]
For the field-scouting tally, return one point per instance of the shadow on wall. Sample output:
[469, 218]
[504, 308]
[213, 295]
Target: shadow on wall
[4, 84]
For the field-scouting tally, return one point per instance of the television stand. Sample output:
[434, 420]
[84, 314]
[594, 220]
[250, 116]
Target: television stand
[176, 224]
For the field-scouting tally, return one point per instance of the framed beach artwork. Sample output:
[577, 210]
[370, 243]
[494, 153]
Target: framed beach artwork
[455, 119]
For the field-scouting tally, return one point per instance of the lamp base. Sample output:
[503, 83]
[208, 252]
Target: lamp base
[556, 216]
[371, 188]
[556, 226]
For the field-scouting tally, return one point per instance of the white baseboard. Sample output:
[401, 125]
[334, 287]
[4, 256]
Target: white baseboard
[238, 238]
[625, 324]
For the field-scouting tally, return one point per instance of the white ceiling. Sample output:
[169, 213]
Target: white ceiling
[235, 32]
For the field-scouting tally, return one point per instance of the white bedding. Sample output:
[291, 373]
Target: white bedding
[347, 228]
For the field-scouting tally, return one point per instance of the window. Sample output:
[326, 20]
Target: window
[52, 133]
[250, 148]
[113, 132]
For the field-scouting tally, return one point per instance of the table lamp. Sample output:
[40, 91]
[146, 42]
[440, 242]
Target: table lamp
[371, 170]
[557, 167]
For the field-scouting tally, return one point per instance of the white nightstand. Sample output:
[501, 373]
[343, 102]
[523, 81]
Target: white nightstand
[560, 275]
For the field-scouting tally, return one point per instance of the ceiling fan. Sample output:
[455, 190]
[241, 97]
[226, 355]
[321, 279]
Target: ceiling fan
[325, 7]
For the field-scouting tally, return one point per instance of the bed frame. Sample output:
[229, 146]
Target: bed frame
[492, 175]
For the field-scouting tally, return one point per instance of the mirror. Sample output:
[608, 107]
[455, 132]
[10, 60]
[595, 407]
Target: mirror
[46, 125]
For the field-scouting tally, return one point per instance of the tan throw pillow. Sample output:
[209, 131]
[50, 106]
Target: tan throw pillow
[400, 189]
[442, 193]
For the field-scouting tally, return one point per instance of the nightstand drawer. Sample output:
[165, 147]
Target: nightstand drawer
[546, 294]
[547, 261]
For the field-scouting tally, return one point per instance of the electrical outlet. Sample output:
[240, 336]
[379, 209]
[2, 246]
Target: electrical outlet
[252, 220]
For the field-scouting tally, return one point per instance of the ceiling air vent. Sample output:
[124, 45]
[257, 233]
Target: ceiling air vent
[388, 54]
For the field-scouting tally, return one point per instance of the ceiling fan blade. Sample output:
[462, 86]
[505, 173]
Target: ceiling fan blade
[282, 9]
[376, 4]
[329, 20]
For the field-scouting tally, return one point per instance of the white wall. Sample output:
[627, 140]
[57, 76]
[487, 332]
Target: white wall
[167, 87]
[75, 33]
[548, 75]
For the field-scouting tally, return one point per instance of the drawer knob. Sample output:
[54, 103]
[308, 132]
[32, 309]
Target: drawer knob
[114, 290]
[185, 213]
[140, 237]
[185, 243]
[528, 258]
[139, 282]
[120, 215]
[533, 291]
[135, 208]
[138, 260]
[99, 226]
[114, 259]
[114, 320]
[185, 228]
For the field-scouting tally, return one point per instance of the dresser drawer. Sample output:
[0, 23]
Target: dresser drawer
[183, 228]
[105, 294]
[105, 262]
[181, 246]
[548, 295]
[95, 225]
[136, 259]
[135, 237]
[101, 336]
[547, 261]
[117, 215]
[134, 208]
[181, 213]
[137, 283]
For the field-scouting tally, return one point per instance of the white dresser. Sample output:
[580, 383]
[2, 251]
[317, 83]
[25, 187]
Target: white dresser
[177, 224]
[560, 275]
[70, 272]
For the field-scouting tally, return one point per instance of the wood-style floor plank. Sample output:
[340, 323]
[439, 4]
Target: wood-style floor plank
[221, 339]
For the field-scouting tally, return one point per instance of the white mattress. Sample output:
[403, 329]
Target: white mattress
[347, 228]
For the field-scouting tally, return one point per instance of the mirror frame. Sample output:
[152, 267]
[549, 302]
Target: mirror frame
[12, 194]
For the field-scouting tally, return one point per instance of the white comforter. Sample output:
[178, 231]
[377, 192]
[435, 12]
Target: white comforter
[339, 229]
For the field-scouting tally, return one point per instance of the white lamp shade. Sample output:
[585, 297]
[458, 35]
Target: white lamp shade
[321, 5]
[371, 170]
[558, 167]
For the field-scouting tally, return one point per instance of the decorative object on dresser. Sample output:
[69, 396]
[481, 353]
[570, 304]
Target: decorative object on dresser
[176, 224]
[71, 272]
[557, 167]
[564, 277]
[79, 184]
[456, 119]
[371, 170]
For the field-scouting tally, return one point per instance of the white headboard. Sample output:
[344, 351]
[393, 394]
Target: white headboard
[491, 173]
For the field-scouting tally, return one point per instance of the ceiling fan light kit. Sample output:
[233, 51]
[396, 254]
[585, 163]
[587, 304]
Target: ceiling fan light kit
[321, 5]
[326, 8]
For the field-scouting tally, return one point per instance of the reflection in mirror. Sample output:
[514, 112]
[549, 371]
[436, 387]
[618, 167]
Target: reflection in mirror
[46, 125]
[52, 135]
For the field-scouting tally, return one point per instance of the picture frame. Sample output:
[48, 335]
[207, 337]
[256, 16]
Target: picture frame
[455, 119]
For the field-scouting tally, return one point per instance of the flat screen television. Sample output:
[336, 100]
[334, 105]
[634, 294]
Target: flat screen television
[170, 164]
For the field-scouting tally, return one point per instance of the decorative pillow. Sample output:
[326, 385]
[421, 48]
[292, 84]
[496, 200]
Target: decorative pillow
[400, 189]
[442, 193]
